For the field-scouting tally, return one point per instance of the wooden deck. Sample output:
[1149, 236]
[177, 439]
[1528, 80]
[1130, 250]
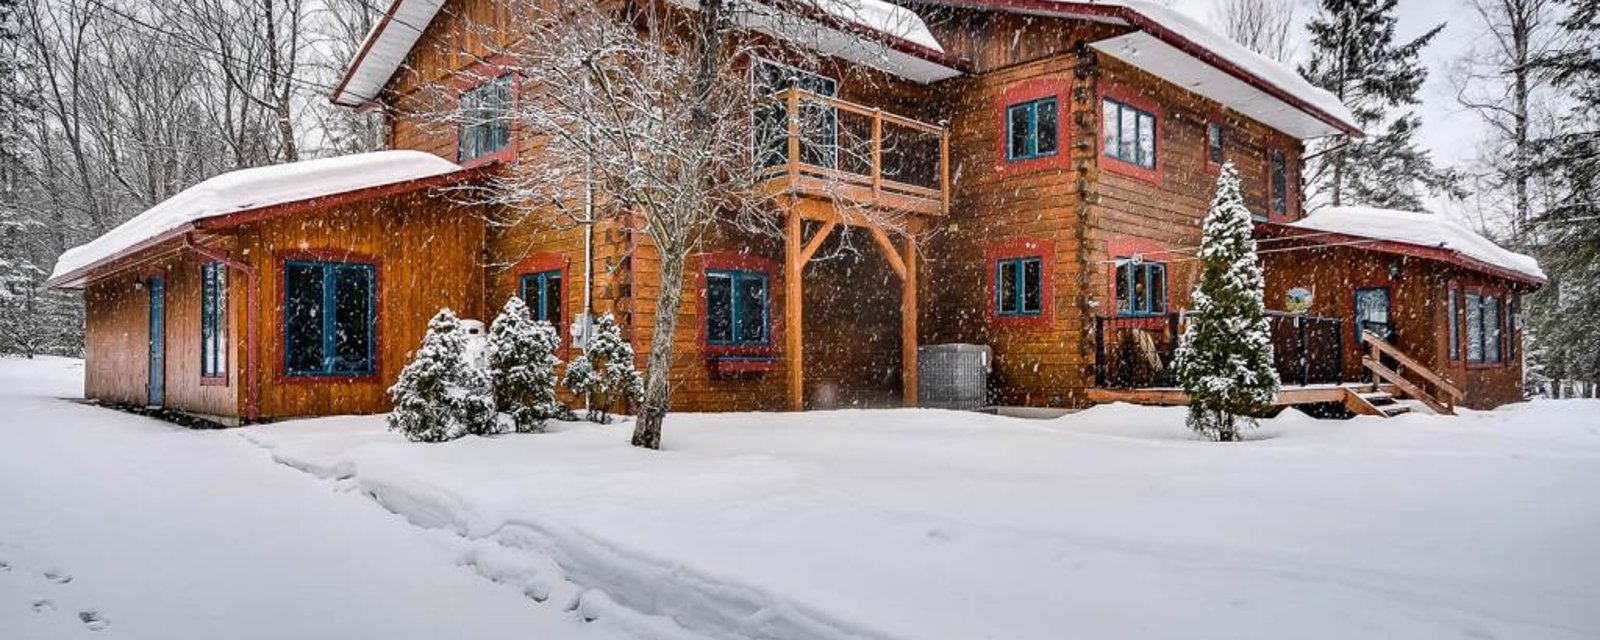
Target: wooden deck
[1173, 396]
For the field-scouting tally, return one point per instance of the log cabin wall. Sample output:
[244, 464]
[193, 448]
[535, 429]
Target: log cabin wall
[117, 338]
[427, 255]
[1419, 310]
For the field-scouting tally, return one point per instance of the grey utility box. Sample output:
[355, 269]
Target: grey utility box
[953, 376]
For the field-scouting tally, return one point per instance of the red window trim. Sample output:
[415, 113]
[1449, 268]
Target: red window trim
[1059, 88]
[227, 344]
[1130, 96]
[280, 257]
[737, 261]
[1045, 251]
[1125, 247]
[541, 262]
[474, 76]
[1498, 293]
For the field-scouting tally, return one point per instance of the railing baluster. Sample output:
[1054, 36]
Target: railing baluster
[877, 155]
[793, 98]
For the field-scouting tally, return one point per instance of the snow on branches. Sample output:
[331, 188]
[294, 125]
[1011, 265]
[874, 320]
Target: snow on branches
[522, 367]
[604, 374]
[1224, 360]
[440, 396]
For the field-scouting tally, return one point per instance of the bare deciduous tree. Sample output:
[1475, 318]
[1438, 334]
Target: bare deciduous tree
[1265, 26]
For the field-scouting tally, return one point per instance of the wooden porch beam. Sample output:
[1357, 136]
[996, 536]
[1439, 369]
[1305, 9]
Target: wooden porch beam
[816, 241]
[890, 252]
[908, 324]
[793, 287]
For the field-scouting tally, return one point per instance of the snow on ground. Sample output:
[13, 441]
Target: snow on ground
[117, 526]
[1110, 523]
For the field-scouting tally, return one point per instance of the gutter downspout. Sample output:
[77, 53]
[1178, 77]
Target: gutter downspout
[252, 330]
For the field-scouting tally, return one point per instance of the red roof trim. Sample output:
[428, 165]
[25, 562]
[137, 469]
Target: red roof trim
[246, 216]
[361, 56]
[1139, 20]
[1441, 254]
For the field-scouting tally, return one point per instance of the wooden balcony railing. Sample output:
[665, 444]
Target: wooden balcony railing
[1137, 352]
[813, 145]
[1445, 394]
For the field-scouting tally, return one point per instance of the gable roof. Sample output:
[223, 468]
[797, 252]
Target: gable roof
[254, 191]
[1181, 50]
[875, 33]
[1413, 233]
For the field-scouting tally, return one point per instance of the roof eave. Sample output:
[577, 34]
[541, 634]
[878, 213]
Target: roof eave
[1441, 254]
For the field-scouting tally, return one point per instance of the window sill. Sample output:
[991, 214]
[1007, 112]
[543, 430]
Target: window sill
[1114, 165]
[737, 366]
[213, 381]
[322, 378]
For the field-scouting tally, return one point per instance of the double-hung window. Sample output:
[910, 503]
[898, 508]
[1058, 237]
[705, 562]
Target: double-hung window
[329, 318]
[542, 292]
[213, 320]
[1032, 129]
[485, 119]
[1141, 288]
[1483, 328]
[1278, 168]
[1453, 307]
[1019, 287]
[1129, 134]
[738, 310]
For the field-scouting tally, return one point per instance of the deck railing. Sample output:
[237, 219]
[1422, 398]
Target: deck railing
[820, 146]
[1136, 352]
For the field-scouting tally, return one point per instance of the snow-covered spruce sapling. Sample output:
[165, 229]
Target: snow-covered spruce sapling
[440, 396]
[1224, 360]
[522, 367]
[604, 374]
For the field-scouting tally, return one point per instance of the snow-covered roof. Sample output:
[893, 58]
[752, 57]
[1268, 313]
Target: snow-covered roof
[1187, 53]
[246, 190]
[875, 33]
[1421, 230]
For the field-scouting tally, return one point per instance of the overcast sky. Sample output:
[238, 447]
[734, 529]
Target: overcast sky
[1451, 132]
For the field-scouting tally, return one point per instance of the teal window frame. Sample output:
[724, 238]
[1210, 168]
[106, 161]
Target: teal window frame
[485, 119]
[327, 316]
[539, 304]
[1117, 147]
[1153, 275]
[737, 312]
[213, 320]
[1017, 305]
[1032, 149]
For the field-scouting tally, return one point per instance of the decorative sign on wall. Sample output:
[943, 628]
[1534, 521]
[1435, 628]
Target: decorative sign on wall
[1298, 300]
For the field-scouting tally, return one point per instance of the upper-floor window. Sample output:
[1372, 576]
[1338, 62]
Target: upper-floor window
[1032, 129]
[1278, 176]
[1141, 288]
[1214, 142]
[1019, 286]
[329, 318]
[542, 293]
[1130, 134]
[738, 308]
[485, 119]
[213, 320]
[818, 120]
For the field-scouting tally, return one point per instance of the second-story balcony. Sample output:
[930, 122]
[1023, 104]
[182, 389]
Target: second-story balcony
[815, 146]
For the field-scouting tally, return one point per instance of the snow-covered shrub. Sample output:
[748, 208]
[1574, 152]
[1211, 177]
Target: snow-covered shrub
[1224, 360]
[440, 396]
[522, 366]
[604, 374]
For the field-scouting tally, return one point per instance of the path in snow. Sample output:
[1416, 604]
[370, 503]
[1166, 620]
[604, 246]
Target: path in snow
[116, 526]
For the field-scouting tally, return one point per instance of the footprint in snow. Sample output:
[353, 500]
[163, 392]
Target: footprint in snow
[42, 606]
[5, 566]
[93, 620]
[57, 577]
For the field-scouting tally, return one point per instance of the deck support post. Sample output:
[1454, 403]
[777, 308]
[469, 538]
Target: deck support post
[908, 323]
[793, 287]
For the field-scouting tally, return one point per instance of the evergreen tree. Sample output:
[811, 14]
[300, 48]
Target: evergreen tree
[605, 373]
[1354, 56]
[1224, 360]
[522, 366]
[439, 395]
[1566, 234]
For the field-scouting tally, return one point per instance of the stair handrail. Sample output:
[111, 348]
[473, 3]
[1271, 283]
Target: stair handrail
[1381, 347]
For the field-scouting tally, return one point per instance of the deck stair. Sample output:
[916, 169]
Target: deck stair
[1429, 388]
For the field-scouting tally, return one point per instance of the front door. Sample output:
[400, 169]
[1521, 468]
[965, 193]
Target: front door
[1372, 313]
[158, 341]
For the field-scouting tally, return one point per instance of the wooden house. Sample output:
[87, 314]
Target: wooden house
[1050, 210]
